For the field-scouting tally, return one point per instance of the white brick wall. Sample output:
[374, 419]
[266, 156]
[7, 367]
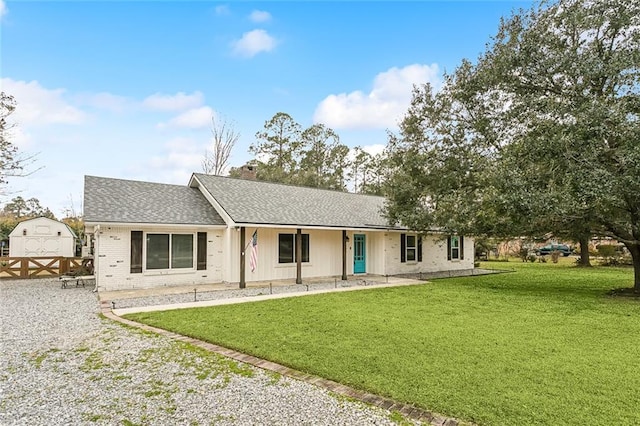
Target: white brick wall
[434, 256]
[113, 249]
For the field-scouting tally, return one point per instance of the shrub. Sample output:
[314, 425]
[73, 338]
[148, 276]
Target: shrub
[613, 255]
[555, 255]
[607, 250]
[532, 258]
[523, 254]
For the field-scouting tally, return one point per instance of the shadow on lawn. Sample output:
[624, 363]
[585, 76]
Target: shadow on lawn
[569, 282]
[626, 292]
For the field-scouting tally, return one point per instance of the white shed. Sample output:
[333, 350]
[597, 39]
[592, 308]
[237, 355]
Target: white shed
[40, 237]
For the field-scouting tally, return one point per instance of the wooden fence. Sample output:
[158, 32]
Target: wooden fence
[38, 267]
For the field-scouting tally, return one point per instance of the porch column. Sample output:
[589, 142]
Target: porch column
[299, 256]
[243, 284]
[344, 255]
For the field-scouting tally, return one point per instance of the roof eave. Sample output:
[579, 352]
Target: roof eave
[322, 227]
[148, 224]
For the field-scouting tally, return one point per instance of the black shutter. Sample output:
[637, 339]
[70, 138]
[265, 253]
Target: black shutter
[403, 248]
[461, 247]
[201, 251]
[136, 252]
[419, 249]
[305, 248]
[449, 248]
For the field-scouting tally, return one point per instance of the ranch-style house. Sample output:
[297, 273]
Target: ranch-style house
[221, 229]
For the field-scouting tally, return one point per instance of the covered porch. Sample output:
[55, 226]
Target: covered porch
[280, 253]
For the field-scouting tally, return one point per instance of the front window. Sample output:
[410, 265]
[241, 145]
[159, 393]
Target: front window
[455, 247]
[169, 251]
[182, 251]
[287, 248]
[411, 248]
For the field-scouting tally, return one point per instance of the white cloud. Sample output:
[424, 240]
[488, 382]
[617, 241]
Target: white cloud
[383, 106]
[254, 42]
[3, 8]
[105, 101]
[37, 105]
[193, 119]
[260, 16]
[20, 138]
[374, 149]
[178, 102]
[182, 157]
[178, 160]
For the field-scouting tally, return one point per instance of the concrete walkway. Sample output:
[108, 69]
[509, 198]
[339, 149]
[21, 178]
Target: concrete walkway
[180, 289]
[395, 282]
[189, 296]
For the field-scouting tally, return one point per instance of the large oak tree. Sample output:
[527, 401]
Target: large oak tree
[541, 134]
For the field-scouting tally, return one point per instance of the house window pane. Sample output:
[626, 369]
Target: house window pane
[411, 248]
[455, 247]
[157, 251]
[411, 255]
[182, 251]
[285, 248]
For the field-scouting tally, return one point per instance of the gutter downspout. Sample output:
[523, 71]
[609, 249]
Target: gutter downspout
[96, 255]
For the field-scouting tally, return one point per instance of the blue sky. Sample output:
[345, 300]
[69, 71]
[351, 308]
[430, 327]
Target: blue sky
[128, 89]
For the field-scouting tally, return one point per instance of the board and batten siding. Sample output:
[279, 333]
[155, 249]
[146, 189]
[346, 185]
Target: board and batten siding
[375, 254]
[325, 255]
[113, 263]
[434, 256]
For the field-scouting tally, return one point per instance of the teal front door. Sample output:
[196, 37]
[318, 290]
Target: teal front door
[359, 254]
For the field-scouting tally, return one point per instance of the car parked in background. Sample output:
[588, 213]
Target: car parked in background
[550, 248]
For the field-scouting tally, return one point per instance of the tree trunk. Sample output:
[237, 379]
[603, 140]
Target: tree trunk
[635, 255]
[584, 251]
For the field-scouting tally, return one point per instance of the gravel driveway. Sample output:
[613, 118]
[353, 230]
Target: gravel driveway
[60, 364]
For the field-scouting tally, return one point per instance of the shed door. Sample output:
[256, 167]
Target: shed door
[41, 246]
[359, 254]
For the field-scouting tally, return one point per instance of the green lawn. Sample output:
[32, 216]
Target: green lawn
[541, 345]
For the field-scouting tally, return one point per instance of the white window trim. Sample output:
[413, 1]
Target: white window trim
[455, 259]
[414, 248]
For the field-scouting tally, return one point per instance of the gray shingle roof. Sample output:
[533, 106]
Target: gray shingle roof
[259, 202]
[109, 200]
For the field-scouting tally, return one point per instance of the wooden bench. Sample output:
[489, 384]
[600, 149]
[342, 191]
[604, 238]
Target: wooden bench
[67, 279]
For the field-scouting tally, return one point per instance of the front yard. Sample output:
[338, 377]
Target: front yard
[542, 345]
